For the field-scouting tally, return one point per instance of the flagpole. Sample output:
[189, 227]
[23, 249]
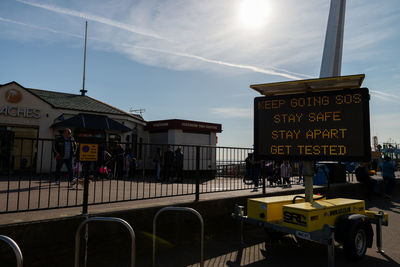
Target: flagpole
[83, 91]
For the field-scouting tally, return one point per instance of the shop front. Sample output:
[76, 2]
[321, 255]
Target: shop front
[30, 119]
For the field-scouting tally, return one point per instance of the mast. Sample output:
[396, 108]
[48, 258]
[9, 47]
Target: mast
[83, 91]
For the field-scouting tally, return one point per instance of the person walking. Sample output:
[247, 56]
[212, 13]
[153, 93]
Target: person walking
[118, 154]
[301, 176]
[64, 149]
[130, 163]
[169, 159]
[286, 173]
[157, 159]
[256, 174]
[388, 169]
[179, 165]
[248, 175]
[362, 175]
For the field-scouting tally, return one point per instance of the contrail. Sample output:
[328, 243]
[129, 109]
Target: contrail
[241, 66]
[38, 27]
[102, 20]
[385, 96]
[272, 71]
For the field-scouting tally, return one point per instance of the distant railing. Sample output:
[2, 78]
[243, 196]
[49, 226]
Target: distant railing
[27, 174]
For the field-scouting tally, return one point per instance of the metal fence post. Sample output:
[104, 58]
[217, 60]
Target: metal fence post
[85, 190]
[264, 186]
[197, 173]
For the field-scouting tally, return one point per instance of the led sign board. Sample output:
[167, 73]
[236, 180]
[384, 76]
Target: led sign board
[330, 125]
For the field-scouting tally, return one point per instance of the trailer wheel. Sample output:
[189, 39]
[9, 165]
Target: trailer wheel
[356, 240]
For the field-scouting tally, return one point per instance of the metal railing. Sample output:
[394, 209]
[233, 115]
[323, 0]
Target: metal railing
[105, 219]
[180, 209]
[15, 248]
[27, 174]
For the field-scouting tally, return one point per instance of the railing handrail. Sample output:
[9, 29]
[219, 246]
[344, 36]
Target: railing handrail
[137, 143]
[180, 209]
[15, 248]
[105, 219]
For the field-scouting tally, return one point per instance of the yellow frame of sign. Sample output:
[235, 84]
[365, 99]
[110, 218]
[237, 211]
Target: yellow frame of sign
[88, 152]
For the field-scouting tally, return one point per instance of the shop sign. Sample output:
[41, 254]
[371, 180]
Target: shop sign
[20, 112]
[15, 96]
[88, 152]
[184, 125]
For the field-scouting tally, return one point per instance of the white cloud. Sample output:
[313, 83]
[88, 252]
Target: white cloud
[91, 17]
[184, 35]
[233, 112]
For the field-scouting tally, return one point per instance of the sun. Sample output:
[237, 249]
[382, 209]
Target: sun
[253, 14]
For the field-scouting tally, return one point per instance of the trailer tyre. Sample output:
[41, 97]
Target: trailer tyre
[356, 240]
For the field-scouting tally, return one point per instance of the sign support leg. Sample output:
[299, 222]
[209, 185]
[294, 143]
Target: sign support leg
[308, 178]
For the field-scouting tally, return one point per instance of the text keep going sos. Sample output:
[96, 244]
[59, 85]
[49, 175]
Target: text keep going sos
[311, 101]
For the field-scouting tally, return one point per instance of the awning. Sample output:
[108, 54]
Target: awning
[94, 122]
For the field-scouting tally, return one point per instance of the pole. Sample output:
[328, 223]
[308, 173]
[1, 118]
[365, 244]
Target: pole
[330, 67]
[308, 169]
[83, 91]
[197, 195]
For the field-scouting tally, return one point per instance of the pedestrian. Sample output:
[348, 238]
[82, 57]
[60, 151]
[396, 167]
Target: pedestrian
[267, 169]
[64, 149]
[105, 163]
[179, 165]
[130, 163]
[158, 159]
[118, 154]
[248, 175]
[169, 159]
[276, 174]
[363, 177]
[286, 173]
[256, 173]
[301, 175]
[388, 169]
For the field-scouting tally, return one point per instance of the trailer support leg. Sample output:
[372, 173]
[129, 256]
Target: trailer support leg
[379, 218]
[331, 248]
[308, 170]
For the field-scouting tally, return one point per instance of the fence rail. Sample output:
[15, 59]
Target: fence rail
[27, 174]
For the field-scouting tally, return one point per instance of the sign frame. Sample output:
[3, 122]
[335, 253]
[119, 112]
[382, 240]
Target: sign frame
[91, 154]
[365, 143]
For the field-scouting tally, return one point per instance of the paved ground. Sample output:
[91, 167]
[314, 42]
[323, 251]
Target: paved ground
[226, 250]
[19, 217]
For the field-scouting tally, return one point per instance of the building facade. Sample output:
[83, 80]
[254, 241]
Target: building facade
[190, 136]
[31, 118]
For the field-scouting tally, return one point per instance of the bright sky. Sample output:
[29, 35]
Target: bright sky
[195, 60]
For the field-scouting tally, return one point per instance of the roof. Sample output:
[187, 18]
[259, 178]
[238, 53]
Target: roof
[311, 85]
[185, 125]
[76, 102]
